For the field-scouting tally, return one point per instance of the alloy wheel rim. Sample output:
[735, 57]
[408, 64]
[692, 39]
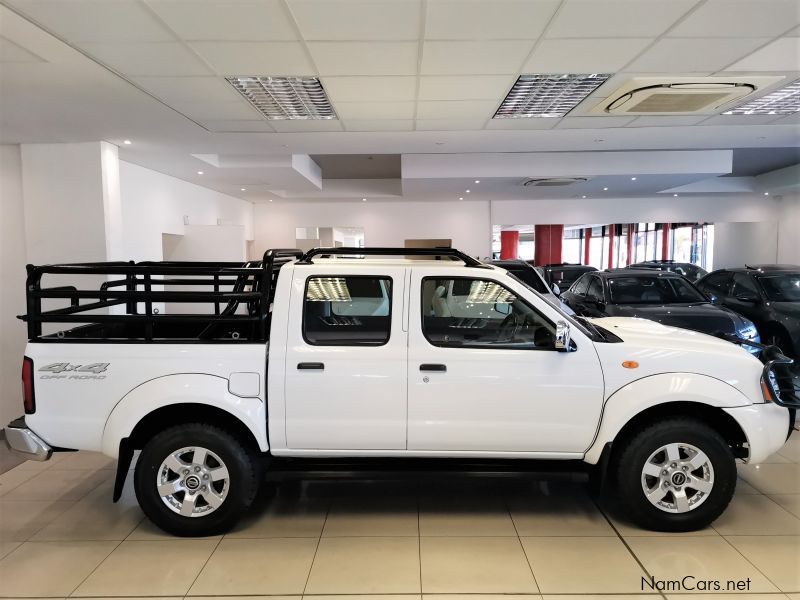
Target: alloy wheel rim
[677, 478]
[193, 481]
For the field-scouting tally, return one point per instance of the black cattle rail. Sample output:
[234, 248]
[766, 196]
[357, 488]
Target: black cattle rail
[241, 295]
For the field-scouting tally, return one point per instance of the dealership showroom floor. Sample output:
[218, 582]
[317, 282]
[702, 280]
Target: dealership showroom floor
[246, 238]
[61, 536]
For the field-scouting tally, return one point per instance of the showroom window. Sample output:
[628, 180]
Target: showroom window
[479, 313]
[347, 311]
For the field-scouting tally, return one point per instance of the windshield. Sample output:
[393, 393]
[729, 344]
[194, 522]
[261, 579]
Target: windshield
[652, 290]
[782, 288]
[529, 277]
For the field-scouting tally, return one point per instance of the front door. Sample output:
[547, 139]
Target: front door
[484, 375]
[346, 360]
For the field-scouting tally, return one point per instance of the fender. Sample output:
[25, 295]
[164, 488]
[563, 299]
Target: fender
[177, 389]
[639, 395]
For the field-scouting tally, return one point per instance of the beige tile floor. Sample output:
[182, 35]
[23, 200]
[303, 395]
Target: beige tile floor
[453, 538]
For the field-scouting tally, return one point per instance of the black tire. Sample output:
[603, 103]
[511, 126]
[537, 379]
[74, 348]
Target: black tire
[240, 487]
[776, 337]
[631, 459]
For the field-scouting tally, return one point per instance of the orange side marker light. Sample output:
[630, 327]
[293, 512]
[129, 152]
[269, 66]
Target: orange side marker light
[630, 364]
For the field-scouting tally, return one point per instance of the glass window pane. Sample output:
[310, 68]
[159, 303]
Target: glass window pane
[346, 311]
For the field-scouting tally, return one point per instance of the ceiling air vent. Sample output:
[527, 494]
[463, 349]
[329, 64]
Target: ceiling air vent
[679, 95]
[552, 181]
[281, 98]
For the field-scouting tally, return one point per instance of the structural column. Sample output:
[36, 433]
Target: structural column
[509, 245]
[611, 229]
[587, 245]
[547, 241]
[629, 258]
[665, 227]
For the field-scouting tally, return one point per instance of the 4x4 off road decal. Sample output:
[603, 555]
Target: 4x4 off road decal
[69, 371]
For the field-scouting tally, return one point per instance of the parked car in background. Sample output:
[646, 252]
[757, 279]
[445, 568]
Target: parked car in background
[769, 295]
[532, 277]
[661, 296]
[564, 274]
[691, 271]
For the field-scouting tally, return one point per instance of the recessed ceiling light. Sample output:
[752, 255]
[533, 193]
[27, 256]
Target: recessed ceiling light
[766, 193]
[467, 191]
[477, 181]
[363, 199]
[244, 189]
[127, 142]
[583, 196]
[674, 195]
[633, 178]
[199, 172]
[547, 95]
[461, 197]
[281, 98]
[783, 101]
[605, 189]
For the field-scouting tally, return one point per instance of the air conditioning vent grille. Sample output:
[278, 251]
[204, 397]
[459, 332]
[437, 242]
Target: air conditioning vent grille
[670, 103]
[552, 181]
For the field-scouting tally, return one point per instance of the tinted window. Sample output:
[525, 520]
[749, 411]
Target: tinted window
[718, 283]
[479, 313]
[347, 311]
[580, 286]
[595, 291]
[782, 288]
[652, 290]
[743, 285]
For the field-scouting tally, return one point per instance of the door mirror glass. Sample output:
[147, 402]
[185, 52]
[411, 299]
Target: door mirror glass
[504, 308]
[556, 289]
[563, 338]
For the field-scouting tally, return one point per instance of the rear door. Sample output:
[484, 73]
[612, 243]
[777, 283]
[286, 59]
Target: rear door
[346, 359]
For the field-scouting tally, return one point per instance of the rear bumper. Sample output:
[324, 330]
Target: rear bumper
[25, 443]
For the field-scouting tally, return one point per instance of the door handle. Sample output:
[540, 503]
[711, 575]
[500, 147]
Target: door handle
[430, 367]
[309, 366]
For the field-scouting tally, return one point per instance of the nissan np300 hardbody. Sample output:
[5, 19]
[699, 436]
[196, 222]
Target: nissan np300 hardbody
[208, 368]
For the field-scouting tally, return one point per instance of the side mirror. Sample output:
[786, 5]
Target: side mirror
[504, 308]
[562, 343]
[556, 289]
[748, 299]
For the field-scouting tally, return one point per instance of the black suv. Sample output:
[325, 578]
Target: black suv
[564, 274]
[769, 295]
[661, 296]
[691, 271]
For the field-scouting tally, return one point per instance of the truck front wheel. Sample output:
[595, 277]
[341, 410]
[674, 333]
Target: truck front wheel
[676, 475]
[195, 480]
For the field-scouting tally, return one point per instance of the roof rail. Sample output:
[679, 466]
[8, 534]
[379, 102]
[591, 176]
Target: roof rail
[449, 252]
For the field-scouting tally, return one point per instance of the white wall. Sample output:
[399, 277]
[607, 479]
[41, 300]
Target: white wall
[385, 223]
[154, 203]
[789, 230]
[12, 287]
[738, 244]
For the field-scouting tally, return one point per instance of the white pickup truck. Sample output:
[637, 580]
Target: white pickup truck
[218, 372]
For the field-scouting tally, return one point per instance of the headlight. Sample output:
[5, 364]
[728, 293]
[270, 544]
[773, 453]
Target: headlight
[749, 332]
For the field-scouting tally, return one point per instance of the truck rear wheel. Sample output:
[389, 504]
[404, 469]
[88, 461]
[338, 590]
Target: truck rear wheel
[676, 475]
[195, 480]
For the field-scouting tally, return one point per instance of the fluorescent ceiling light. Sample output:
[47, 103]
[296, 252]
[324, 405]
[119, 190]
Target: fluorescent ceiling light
[281, 98]
[542, 95]
[783, 101]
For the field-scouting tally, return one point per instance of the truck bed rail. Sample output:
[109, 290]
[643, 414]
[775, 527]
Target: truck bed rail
[233, 300]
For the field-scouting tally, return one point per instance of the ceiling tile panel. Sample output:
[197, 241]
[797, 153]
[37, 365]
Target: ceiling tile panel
[598, 55]
[238, 110]
[735, 18]
[478, 19]
[673, 55]
[781, 55]
[226, 20]
[370, 89]
[161, 59]
[307, 126]
[460, 87]
[236, 126]
[741, 120]
[357, 19]
[96, 20]
[667, 121]
[189, 89]
[450, 124]
[11, 52]
[375, 110]
[365, 58]
[255, 58]
[617, 18]
[456, 109]
[379, 124]
[530, 123]
[593, 122]
[479, 58]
